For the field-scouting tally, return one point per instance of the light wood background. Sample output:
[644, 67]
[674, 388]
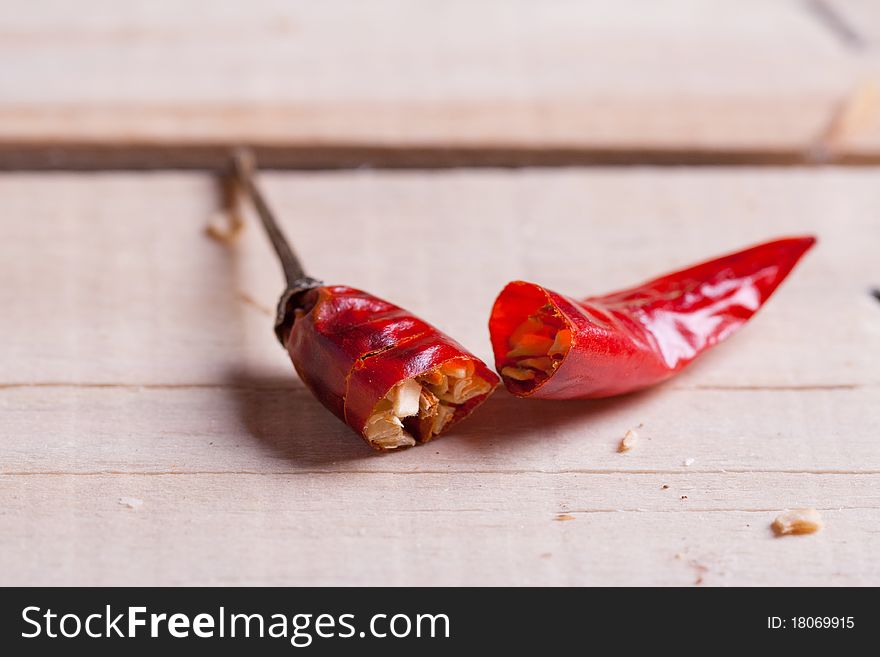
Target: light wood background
[403, 82]
[139, 362]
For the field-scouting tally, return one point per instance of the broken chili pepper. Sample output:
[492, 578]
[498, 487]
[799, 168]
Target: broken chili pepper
[390, 376]
[550, 346]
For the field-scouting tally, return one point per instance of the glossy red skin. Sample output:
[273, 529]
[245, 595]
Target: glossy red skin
[634, 338]
[350, 348]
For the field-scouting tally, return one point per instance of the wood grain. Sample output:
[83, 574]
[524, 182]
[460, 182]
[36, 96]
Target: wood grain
[277, 427]
[139, 362]
[399, 529]
[123, 286]
[404, 83]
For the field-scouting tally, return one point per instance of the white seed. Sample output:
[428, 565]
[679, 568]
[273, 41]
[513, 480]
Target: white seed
[131, 502]
[385, 430]
[405, 398]
[797, 521]
[427, 403]
[465, 389]
[628, 441]
[432, 396]
[444, 415]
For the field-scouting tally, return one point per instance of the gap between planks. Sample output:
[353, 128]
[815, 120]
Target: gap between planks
[28, 157]
[17, 385]
[851, 114]
[610, 472]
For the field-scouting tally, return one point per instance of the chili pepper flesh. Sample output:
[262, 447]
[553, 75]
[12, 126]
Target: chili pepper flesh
[550, 346]
[393, 378]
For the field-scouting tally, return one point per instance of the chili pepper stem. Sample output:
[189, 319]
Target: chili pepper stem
[245, 167]
[390, 376]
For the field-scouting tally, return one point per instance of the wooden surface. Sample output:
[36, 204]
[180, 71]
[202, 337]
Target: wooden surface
[402, 82]
[139, 362]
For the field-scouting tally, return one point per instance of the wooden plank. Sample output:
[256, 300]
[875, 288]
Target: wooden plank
[110, 279]
[397, 529]
[268, 428]
[402, 83]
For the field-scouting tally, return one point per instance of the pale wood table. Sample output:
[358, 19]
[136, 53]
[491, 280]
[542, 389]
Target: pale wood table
[403, 82]
[140, 362]
[139, 368]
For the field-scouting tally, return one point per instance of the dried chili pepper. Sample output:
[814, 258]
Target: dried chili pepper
[390, 376]
[550, 346]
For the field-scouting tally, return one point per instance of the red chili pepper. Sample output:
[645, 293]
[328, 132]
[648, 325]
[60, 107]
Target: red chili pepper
[381, 369]
[550, 346]
[390, 376]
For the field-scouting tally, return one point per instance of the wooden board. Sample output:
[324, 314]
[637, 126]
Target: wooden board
[139, 363]
[395, 82]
